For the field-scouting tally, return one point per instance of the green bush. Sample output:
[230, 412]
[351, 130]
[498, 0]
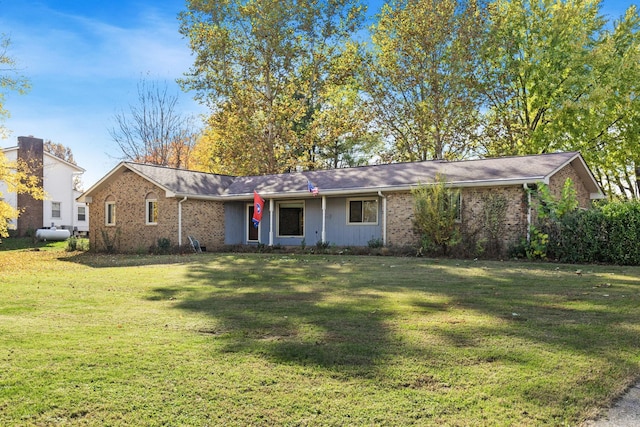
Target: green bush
[545, 234]
[77, 244]
[163, 246]
[375, 243]
[436, 211]
[623, 232]
[580, 237]
[609, 233]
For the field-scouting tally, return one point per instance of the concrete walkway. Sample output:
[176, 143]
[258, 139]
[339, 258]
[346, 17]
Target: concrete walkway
[625, 412]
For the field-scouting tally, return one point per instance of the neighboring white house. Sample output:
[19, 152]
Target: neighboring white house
[60, 208]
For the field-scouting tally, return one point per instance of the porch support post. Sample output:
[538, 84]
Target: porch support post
[180, 220]
[526, 190]
[384, 218]
[271, 222]
[324, 219]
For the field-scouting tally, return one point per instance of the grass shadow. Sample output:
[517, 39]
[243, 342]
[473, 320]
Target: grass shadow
[103, 260]
[275, 307]
[339, 313]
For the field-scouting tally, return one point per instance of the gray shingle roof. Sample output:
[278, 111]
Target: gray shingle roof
[182, 181]
[488, 172]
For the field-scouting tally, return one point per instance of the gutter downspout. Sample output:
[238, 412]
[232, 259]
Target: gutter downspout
[180, 220]
[526, 189]
[271, 204]
[384, 217]
[324, 219]
[73, 206]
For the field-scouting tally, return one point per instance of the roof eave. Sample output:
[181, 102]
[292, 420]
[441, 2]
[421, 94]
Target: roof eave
[359, 190]
[585, 173]
[168, 192]
[71, 165]
[87, 194]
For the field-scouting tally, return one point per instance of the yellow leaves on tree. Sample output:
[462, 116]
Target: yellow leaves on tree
[18, 180]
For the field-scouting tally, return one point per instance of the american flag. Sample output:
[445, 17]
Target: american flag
[312, 188]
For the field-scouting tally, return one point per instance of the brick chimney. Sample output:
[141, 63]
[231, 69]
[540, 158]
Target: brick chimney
[30, 151]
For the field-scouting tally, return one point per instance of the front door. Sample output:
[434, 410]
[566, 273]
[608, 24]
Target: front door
[252, 232]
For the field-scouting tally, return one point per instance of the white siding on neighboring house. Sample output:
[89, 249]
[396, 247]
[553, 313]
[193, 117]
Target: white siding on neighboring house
[58, 185]
[60, 208]
[80, 221]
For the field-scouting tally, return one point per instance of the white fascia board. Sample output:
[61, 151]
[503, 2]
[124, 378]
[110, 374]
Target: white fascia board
[71, 165]
[585, 171]
[84, 196]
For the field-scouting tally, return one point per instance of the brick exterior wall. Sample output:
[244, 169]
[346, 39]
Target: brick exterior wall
[30, 151]
[556, 183]
[515, 220]
[203, 220]
[400, 210]
[400, 230]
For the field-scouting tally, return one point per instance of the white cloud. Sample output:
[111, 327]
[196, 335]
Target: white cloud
[83, 69]
[81, 47]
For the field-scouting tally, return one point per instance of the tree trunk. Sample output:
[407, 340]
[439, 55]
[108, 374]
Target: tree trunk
[637, 189]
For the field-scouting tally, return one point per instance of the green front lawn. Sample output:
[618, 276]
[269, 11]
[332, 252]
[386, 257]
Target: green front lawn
[255, 339]
[17, 243]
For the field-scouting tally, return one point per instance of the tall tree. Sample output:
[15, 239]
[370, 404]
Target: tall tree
[536, 61]
[554, 77]
[60, 151]
[15, 176]
[342, 130]
[419, 76]
[10, 79]
[608, 125]
[155, 131]
[263, 67]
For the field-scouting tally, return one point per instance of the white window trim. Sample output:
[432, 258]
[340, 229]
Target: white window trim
[147, 204]
[78, 214]
[106, 213]
[59, 210]
[362, 199]
[304, 214]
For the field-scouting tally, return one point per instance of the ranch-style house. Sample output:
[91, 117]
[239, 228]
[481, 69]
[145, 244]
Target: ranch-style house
[135, 205]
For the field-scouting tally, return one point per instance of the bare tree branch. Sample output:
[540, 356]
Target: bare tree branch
[154, 131]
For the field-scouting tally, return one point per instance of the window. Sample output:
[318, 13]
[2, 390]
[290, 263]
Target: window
[110, 211]
[455, 198]
[363, 211]
[55, 209]
[82, 213]
[151, 209]
[291, 219]
[152, 212]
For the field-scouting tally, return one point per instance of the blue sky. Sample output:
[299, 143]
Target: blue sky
[84, 60]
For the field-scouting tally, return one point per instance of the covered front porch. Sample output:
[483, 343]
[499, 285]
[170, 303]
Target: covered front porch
[350, 220]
